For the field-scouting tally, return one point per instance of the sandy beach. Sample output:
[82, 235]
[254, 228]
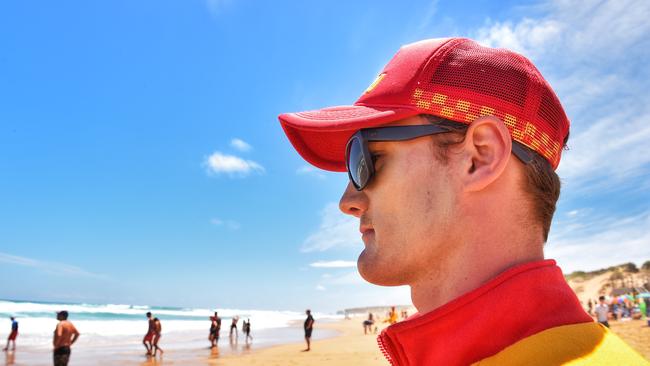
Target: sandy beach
[345, 345]
[636, 333]
[351, 347]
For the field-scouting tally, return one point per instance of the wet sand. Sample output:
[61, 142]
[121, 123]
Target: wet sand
[180, 348]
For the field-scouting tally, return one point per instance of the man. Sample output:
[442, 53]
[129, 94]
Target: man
[156, 336]
[65, 335]
[151, 331]
[309, 327]
[451, 154]
[12, 335]
[367, 324]
[246, 328]
[215, 327]
[233, 326]
[392, 316]
[602, 311]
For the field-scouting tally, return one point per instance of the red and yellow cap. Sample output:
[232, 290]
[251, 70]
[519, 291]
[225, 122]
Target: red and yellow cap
[453, 78]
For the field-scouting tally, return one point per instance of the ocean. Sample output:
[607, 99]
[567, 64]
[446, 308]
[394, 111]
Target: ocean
[123, 326]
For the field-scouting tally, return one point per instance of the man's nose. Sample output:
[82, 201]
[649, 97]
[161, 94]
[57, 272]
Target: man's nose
[353, 202]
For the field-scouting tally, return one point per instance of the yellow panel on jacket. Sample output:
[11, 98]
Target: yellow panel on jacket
[575, 345]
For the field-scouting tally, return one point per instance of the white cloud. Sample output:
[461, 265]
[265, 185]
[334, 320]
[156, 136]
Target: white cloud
[230, 224]
[614, 146]
[240, 145]
[333, 264]
[577, 30]
[600, 241]
[345, 279]
[528, 37]
[49, 267]
[595, 54]
[311, 171]
[219, 163]
[336, 231]
[320, 288]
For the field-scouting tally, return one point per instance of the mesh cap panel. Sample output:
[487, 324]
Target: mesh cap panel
[465, 80]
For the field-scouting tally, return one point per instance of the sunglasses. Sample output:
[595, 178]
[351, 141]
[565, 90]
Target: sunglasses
[360, 162]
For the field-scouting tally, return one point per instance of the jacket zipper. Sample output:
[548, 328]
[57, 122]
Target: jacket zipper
[384, 349]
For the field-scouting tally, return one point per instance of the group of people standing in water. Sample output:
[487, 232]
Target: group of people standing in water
[215, 329]
[154, 332]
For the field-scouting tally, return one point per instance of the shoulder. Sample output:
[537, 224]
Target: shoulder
[575, 344]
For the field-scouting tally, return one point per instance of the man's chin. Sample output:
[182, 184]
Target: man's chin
[380, 274]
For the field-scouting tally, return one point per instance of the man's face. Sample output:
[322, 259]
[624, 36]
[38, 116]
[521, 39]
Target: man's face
[406, 213]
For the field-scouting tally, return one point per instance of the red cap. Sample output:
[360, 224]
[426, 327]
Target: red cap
[453, 78]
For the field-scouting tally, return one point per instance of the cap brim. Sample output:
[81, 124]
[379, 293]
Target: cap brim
[320, 136]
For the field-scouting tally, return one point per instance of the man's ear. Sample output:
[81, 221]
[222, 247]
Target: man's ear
[487, 148]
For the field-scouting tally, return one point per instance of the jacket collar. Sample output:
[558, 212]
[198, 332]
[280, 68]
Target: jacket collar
[519, 302]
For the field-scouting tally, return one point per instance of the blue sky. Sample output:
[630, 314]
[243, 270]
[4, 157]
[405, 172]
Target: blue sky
[141, 160]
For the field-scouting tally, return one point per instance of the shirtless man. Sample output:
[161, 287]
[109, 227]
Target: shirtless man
[156, 336]
[246, 328]
[233, 326]
[309, 327]
[148, 338]
[65, 335]
[215, 327]
[12, 335]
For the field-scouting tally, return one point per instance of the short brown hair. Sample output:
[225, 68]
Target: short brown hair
[542, 183]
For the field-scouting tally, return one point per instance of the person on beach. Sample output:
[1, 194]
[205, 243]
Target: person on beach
[65, 335]
[246, 328]
[12, 335]
[215, 327]
[309, 327]
[156, 336]
[233, 326]
[392, 315]
[602, 312]
[151, 331]
[451, 155]
[368, 323]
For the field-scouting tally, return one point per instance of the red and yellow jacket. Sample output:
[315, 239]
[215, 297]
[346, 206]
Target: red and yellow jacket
[527, 315]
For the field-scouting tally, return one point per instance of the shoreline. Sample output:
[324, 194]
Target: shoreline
[184, 348]
[340, 341]
[350, 347]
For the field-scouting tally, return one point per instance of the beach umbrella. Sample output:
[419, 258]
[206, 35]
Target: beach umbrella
[644, 295]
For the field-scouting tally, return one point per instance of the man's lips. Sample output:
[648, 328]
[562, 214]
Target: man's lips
[366, 229]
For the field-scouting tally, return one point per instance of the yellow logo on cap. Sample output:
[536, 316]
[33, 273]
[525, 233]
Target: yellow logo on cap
[374, 84]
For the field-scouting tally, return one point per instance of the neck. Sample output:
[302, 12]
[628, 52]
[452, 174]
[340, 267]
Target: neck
[434, 290]
[480, 253]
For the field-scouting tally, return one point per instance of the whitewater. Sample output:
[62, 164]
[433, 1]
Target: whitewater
[104, 324]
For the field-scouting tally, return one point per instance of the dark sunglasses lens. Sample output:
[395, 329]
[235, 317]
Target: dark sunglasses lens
[357, 165]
